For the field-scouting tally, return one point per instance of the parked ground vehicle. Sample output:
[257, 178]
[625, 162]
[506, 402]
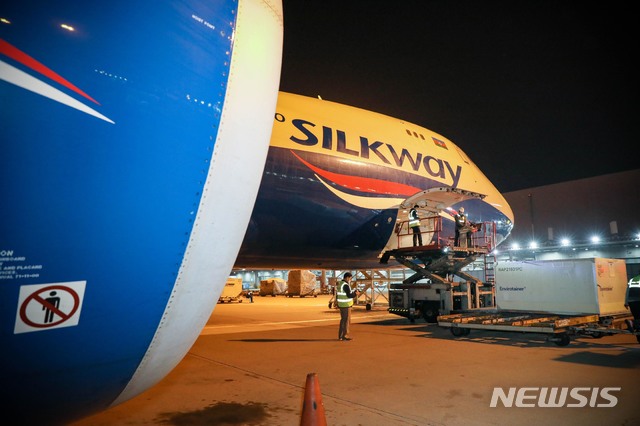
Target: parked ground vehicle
[232, 291]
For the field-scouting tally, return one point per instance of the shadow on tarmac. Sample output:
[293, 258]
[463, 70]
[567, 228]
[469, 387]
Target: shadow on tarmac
[626, 355]
[628, 358]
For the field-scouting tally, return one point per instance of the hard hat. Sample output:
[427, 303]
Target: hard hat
[461, 209]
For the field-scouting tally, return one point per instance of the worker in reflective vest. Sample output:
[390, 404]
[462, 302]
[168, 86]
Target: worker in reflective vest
[414, 224]
[462, 229]
[344, 297]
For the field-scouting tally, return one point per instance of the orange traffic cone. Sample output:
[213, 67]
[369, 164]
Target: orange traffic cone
[312, 408]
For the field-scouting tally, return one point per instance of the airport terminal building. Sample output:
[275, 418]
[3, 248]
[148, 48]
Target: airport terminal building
[585, 218]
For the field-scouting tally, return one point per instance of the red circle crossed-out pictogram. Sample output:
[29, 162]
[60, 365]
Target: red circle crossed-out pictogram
[36, 298]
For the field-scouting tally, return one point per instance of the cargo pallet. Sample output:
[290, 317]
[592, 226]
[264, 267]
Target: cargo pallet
[559, 328]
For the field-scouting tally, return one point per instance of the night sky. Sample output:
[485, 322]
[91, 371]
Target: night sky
[536, 92]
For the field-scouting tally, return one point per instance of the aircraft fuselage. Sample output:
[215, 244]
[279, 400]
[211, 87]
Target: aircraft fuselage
[335, 181]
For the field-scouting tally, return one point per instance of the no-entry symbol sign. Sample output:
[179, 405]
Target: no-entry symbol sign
[48, 306]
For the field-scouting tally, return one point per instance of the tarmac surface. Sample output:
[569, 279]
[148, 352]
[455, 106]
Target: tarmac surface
[249, 367]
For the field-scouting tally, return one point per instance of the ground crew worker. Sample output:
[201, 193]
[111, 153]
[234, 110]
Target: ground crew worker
[344, 298]
[632, 301]
[414, 224]
[462, 227]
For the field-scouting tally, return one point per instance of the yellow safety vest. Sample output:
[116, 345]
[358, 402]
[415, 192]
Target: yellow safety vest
[344, 301]
[413, 218]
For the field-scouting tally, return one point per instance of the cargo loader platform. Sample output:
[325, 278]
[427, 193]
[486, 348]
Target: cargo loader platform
[435, 262]
[431, 291]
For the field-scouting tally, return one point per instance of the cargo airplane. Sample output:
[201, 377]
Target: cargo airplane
[136, 158]
[339, 180]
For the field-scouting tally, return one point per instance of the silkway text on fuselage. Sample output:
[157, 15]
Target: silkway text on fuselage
[435, 167]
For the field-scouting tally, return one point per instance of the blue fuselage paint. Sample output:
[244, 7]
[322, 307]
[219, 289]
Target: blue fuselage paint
[108, 203]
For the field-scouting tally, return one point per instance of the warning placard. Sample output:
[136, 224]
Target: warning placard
[48, 306]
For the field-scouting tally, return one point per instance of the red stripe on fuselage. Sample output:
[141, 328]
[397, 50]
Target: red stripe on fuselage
[363, 184]
[23, 58]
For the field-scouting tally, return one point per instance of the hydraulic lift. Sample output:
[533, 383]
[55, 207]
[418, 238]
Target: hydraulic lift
[436, 265]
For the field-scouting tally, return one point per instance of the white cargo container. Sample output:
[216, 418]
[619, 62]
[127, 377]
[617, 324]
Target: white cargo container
[578, 286]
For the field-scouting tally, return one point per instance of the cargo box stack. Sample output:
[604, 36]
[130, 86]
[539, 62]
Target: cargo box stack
[302, 283]
[272, 287]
